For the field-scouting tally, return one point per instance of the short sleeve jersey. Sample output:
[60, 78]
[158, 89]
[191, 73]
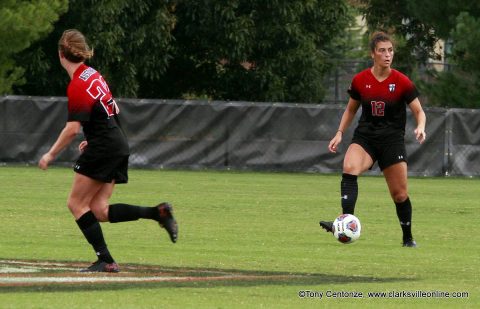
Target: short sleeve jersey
[384, 114]
[91, 103]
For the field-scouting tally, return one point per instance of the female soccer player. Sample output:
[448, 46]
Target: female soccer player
[383, 93]
[103, 161]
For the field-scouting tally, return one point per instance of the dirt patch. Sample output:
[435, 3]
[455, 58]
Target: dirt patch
[35, 273]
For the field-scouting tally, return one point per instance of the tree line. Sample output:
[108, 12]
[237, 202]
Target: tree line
[251, 50]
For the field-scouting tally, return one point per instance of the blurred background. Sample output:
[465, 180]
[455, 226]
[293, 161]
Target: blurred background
[248, 84]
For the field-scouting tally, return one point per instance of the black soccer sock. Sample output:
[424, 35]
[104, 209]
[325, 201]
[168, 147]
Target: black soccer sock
[349, 191]
[125, 212]
[404, 213]
[92, 231]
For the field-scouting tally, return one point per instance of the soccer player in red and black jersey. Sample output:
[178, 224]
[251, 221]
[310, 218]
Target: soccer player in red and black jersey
[383, 93]
[103, 161]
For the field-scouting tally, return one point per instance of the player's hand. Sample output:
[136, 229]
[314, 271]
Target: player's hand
[45, 160]
[336, 140]
[420, 135]
[83, 145]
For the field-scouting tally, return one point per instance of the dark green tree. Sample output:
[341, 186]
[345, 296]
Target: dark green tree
[442, 15]
[131, 42]
[418, 25]
[277, 50]
[459, 86]
[254, 50]
[415, 38]
[21, 24]
[458, 24]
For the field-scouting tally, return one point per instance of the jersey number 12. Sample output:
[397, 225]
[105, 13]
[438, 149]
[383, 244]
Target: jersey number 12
[378, 108]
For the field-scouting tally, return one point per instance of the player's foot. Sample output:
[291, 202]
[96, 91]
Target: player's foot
[327, 226]
[167, 221]
[101, 266]
[409, 243]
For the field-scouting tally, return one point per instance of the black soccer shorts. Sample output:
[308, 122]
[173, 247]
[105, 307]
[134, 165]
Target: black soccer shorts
[385, 155]
[103, 169]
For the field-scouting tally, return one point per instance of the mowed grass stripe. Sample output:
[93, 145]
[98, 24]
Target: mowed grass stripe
[249, 222]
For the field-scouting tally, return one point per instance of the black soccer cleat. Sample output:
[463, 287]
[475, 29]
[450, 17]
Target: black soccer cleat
[327, 226]
[167, 221]
[410, 243]
[101, 267]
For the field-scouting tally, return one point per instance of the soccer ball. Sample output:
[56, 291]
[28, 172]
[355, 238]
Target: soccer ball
[346, 228]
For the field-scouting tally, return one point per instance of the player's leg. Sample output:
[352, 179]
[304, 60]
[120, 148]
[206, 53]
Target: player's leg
[121, 212]
[357, 160]
[99, 203]
[162, 213]
[118, 173]
[396, 178]
[83, 191]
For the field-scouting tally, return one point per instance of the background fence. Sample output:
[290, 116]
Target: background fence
[237, 135]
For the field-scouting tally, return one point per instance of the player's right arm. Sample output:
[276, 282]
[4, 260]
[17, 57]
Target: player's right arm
[72, 128]
[347, 118]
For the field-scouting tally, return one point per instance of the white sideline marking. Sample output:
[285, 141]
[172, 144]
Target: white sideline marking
[36, 264]
[85, 279]
[31, 269]
[10, 270]
[33, 280]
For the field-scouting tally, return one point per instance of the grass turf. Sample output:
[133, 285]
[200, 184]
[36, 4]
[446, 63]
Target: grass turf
[260, 223]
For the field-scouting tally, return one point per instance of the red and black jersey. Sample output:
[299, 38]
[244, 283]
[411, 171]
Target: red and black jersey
[91, 103]
[384, 104]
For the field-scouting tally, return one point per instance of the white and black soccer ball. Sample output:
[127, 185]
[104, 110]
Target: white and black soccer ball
[346, 228]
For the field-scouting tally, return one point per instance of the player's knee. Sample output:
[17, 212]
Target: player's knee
[351, 169]
[76, 207]
[74, 204]
[70, 205]
[399, 197]
[100, 211]
[101, 216]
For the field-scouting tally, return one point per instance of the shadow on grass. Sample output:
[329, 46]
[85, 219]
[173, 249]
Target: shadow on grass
[56, 276]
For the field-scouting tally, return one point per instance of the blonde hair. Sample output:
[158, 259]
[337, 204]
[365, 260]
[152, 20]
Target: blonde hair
[74, 47]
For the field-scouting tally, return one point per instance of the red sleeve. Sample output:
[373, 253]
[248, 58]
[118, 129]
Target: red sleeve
[353, 89]
[79, 106]
[411, 92]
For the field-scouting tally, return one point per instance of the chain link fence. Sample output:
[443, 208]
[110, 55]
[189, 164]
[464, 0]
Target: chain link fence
[237, 135]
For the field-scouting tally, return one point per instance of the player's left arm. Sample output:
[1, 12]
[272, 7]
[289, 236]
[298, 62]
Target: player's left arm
[420, 118]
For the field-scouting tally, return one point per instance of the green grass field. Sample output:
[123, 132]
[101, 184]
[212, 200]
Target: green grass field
[259, 224]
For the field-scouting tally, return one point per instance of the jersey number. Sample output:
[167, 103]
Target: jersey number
[378, 108]
[99, 90]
